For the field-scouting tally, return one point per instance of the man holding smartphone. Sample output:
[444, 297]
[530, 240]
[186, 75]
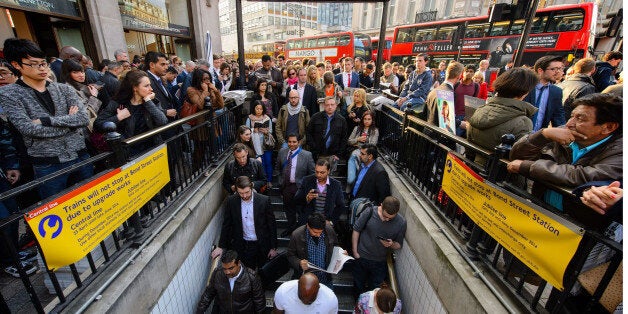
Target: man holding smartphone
[320, 193]
[374, 233]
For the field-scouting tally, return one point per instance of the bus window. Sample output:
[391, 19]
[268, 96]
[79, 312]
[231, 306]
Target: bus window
[322, 42]
[332, 41]
[566, 21]
[298, 44]
[425, 34]
[311, 43]
[344, 40]
[477, 30]
[538, 24]
[500, 28]
[445, 32]
[388, 44]
[405, 35]
[517, 27]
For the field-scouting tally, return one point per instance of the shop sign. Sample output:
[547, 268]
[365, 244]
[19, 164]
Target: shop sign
[150, 17]
[63, 7]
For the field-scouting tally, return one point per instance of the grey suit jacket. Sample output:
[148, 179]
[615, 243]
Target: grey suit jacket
[305, 165]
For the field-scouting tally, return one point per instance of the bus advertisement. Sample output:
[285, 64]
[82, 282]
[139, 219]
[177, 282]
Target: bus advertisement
[566, 30]
[330, 47]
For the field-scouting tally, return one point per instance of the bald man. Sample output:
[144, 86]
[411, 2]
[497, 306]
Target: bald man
[305, 295]
[67, 52]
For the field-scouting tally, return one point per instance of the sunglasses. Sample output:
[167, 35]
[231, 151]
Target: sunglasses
[292, 73]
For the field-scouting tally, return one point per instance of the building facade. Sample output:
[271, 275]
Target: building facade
[98, 28]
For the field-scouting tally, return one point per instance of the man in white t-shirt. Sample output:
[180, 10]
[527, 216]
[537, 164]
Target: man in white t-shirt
[305, 295]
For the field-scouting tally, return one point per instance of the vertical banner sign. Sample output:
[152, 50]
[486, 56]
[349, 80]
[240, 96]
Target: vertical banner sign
[208, 50]
[540, 239]
[69, 227]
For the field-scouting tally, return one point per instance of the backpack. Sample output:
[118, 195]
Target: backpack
[359, 206]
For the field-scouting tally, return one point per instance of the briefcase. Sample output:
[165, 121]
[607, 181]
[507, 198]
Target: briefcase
[274, 269]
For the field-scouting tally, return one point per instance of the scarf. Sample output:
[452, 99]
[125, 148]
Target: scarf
[294, 110]
[292, 81]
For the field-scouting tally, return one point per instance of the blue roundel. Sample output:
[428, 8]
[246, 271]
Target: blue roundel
[52, 221]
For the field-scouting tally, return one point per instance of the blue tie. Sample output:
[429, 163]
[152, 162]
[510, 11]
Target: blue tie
[537, 119]
[328, 142]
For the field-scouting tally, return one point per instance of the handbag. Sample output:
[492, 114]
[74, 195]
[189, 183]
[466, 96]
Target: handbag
[188, 109]
[269, 142]
[612, 296]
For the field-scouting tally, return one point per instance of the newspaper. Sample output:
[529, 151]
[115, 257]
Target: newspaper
[349, 95]
[338, 259]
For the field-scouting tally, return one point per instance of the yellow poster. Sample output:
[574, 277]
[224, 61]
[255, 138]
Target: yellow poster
[540, 239]
[69, 227]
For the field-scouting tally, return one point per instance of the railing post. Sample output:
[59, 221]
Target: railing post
[214, 141]
[480, 242]
[114, 140]
[401, 161]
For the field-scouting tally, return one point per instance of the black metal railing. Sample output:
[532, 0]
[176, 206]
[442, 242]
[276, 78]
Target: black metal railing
[419, 152]
[192, 150]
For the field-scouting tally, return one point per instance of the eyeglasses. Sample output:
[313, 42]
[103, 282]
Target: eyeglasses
[42, 65]
[292, 73]
[5, 75]
[556, 69]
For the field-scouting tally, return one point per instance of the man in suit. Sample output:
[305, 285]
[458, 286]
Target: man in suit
[242, 165]
[327, 131]
[372, 181]
[320, 193]
[156, 65]
[348, 78]
[452, 76]
[546, 96]
[248, 226]
[110, 78]
[307, 92]
[294, 162]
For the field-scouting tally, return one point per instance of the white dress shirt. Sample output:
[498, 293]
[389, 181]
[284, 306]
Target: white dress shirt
[248, 222]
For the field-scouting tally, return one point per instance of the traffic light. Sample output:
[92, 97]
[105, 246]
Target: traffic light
[612, 26]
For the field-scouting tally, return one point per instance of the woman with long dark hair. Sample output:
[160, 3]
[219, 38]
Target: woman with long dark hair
[244, 137]
[267, 99]
[261, 125]
[133, 111]
[201, 87]
[364, 132]
[73, 74]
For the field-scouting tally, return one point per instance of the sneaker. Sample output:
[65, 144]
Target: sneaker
[27, 256]
[29, 269]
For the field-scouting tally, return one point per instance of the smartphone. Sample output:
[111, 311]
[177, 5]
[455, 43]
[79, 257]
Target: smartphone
[313, 191]
[382, 238]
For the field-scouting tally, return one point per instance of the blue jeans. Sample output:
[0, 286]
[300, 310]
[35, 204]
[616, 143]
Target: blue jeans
[412, 103]
[368, 274]
[352, 169]
[267, 162]
[460, 131]
[56, 185]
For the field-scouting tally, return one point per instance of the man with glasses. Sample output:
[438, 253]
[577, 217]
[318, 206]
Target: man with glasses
[50, 117]
[293, 118]
[546, 96]
[306, 91]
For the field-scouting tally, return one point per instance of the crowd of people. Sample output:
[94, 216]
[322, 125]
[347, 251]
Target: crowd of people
[312, 115]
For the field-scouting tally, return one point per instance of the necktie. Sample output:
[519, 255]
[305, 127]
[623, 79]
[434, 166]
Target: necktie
[288, 168]
[327, 135]
[537, 120]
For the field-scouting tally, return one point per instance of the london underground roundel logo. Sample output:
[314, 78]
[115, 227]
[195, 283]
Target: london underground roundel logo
[54, 222]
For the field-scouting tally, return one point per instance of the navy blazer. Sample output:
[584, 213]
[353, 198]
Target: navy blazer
[305, 165]
[310, 98]
[334, 201]
[375, 185]
[166, 100]
[554, 111]
[232, 234]
[355, 80]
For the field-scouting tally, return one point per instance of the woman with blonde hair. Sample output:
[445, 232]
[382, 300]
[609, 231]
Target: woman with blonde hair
[357, 108]
[313, 79]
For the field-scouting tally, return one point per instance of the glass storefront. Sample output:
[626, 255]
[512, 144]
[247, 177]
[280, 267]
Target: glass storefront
[156, 25]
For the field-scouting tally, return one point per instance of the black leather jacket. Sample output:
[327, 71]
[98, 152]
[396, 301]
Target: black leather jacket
[247, 295]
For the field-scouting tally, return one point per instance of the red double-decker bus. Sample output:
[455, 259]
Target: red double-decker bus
[386, 49]
[566, 30]
[330, 47]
